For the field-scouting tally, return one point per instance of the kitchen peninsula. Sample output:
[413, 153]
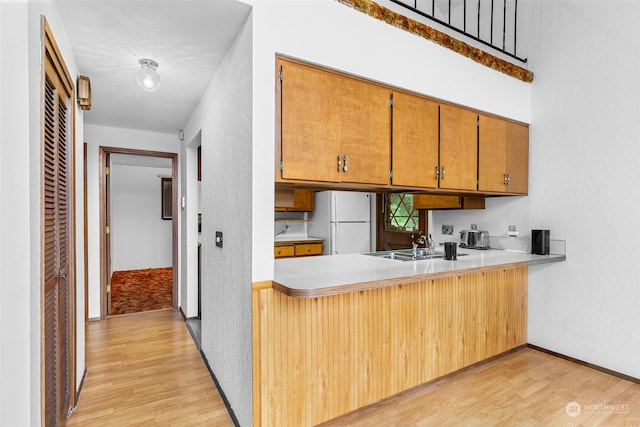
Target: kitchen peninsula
[335, 333]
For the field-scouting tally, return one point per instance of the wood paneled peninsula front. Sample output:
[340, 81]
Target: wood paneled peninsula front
[335, 333]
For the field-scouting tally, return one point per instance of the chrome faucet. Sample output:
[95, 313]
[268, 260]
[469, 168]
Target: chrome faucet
[415, 241]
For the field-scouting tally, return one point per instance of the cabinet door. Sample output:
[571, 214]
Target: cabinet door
[458, 148]
[434, 201]
[504, 150]
[310, 128]
[366, 133]
[517, 158]
[283, 251]
[415, 141]
[492, 160]
[307, 249]
[287, 200]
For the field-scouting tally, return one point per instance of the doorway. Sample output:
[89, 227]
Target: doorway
[106, 155]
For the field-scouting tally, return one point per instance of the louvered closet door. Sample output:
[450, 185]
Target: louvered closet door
[57, 231]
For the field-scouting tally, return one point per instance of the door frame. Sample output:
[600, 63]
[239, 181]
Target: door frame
[103, 153]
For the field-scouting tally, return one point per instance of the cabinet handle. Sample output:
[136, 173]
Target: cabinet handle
[346, 166]
[339, 162]
[507, 179]
[437, 173]
[444, 171]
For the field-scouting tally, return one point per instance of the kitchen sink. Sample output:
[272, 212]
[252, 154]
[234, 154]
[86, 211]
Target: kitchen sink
[407, 255]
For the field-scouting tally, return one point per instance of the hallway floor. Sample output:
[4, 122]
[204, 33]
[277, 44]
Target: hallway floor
[144, 369]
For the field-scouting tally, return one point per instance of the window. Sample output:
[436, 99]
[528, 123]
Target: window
[399, 213]
[396, 220]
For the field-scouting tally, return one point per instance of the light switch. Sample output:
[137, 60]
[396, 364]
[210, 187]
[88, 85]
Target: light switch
[219, 239]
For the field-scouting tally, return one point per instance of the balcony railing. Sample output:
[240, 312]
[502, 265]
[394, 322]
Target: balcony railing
[493, 23]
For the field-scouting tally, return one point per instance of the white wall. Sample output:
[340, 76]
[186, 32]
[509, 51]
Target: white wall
[97, 136]
[224, 118]
[585, 181]
[15, 262]
[20, 147]
[140, 238]
[499, 213]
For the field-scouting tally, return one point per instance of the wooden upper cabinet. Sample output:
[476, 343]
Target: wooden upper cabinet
[366, 132]
[503, 164]
[294, 200]
[333, 128]
[517, 158]
[311, 123]
[415, 141]
[458, 148]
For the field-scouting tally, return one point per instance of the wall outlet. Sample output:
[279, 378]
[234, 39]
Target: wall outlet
[512, 228]
[447, 229]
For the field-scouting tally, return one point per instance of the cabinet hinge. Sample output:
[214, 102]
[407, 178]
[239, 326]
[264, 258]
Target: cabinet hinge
[478, 121]
[280, 165]
[391, 101]
[390, 174]
[107, 170]
[280, 76]
[107, 230]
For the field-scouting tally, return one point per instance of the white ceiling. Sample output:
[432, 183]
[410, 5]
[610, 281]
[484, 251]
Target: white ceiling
[187, 38]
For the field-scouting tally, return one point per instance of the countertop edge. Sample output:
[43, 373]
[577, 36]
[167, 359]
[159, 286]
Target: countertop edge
[555, 258]
[365, 286]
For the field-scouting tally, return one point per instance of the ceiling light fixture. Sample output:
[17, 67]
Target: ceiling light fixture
[147, 76]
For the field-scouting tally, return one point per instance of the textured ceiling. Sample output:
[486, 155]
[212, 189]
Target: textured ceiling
[187, 38]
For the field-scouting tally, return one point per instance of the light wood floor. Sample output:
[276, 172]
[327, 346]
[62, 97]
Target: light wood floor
[524, 388]
[144, 369]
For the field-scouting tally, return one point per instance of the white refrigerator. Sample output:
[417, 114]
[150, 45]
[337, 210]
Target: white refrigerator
[343, 220]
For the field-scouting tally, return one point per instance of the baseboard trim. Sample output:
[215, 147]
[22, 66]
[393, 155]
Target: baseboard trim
[224, 396]
[78, 391]
[587, 364]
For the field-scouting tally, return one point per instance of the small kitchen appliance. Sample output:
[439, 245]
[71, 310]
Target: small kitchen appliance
[540, 242]
[474, 239]
[450, 251]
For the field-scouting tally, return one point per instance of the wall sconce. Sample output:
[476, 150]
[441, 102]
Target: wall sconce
[147, 76]
[84, 92]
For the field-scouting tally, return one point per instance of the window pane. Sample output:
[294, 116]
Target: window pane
[400, 215]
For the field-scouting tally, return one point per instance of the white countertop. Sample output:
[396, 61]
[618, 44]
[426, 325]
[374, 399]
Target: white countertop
[335, 274]
[289, 238]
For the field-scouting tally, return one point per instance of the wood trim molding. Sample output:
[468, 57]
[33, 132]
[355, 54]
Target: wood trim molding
[381, 13]
[258, 286]
[587, 364]
[103, 151]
